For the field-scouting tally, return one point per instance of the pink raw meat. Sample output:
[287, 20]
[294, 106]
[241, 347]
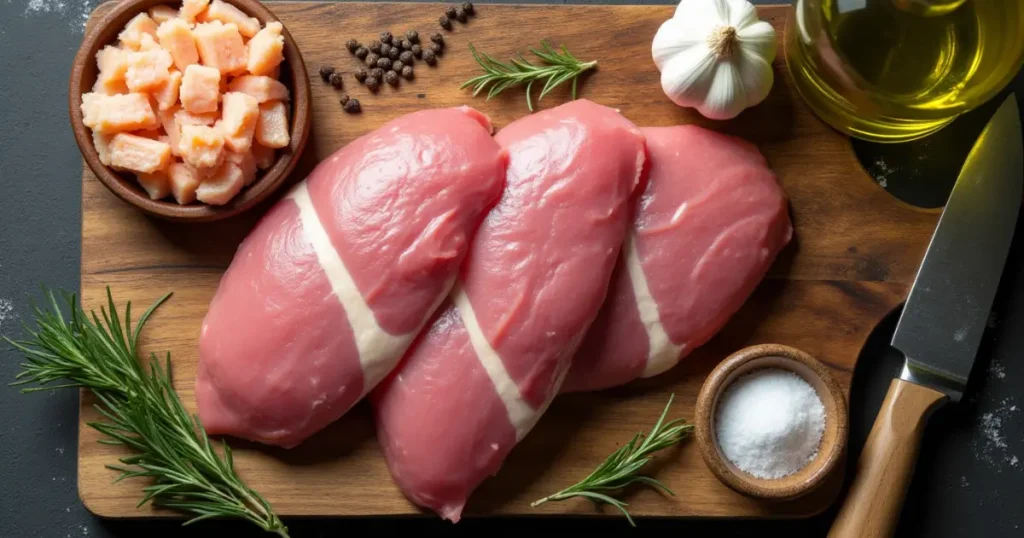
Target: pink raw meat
[708, 226]
[332, 285]
[538, 270]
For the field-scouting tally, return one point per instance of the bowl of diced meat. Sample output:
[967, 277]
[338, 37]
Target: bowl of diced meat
[190, 110]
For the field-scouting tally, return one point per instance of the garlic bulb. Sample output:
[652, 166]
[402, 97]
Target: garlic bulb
[715, 56]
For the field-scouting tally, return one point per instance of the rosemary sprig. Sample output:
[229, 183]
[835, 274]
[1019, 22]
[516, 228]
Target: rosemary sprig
[503, 75]
[622, 467]
[142, 410]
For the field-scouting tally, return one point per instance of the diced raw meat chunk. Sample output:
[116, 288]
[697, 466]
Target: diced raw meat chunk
[148, 70]
[113, 65]
[184, 117]
[152, 134]
[101, 142]
[167, 95]
[262, 88]
[191, 9]
[227, 13]
[201, 146]
[139, 154]
[162, 13]
[183, 183]
[176, 36]
[200, 89]
[265, 50]
[148, 42]
[246, 163]
[157, 185]
[220, 46]
[238, 120]
[131, 36]
[272, 126]
[117, 113]
[222, 186]
[264, 156]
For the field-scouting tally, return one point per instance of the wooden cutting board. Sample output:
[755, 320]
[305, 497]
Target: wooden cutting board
[853, 258]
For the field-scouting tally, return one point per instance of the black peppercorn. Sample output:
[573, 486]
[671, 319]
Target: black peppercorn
[326, 72]
[373, 83]
[429, 57]
[437, 38]
[377, 73]
[375, 46]
[371, 59]
[406, 44]
[383, 50]
[384, 63]
[391, 78]
[395, 53]
[352, 45]
[445, 22]
[450, 12]
[436, 48]
[417, 51]
[467, 7]
[336, 80]
[385, 37]
[397, 66]
[352, 106]
[407, 72]
[413, 36]
[343, 99]
[361, 52]
[460, 15]
[360, 74]
[406, 57]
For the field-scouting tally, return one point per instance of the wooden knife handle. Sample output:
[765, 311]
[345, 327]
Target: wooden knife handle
[873, 504]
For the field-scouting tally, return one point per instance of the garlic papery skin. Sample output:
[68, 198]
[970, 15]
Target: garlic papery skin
[715, 56]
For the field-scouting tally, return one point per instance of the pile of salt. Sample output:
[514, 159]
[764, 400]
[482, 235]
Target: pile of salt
[770, 423]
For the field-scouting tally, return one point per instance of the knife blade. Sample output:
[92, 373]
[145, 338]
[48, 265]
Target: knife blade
[947, 309]
[941, 324]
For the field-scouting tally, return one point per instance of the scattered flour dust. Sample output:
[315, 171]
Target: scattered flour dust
[6, 312]
[881, 171]
[992, 448]
[75, 12]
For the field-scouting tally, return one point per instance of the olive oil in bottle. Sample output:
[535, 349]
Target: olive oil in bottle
[897, 70]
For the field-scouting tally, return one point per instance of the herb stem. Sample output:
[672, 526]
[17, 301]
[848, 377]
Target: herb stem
[561, 67]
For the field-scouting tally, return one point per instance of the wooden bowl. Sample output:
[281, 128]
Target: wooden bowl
[293, 75]
[833, 440]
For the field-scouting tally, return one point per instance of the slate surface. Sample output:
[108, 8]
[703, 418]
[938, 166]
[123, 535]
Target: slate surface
[969, 480]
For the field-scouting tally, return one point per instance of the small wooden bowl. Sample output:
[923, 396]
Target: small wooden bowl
[833, 440]
[293, 75]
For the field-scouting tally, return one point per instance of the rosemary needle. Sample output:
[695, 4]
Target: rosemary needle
[622, 467]
[560, 68]
[142, 412]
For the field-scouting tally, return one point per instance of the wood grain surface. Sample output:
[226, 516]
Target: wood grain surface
[852, 260]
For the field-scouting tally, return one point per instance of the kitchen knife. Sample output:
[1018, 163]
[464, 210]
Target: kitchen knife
[942, 322]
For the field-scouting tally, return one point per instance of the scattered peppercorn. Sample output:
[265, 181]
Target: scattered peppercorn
[326, 72]
[384, 63]
[397, 66]
[467, 7]
[360, 74]
[395, 53]
[352, 106]
[417, 51]
[429, 57]
[407, 72]
[413, 36]
[406, 44]
[437, 38]
[371, 59]
[450, 12]
[377, 73]
[383, 50]
[406, 57]
[385, 37]
[445, 22]
[352, 45]
[460, 15]
[373, 83]
[375, 46]
[391, 78]
[343, 99]
[436, 48]
[361, 52]
[336, 80]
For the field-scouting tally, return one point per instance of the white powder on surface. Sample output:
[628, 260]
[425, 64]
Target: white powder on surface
[76, 12]
[6, 313]
[770, 423]
[992, 446]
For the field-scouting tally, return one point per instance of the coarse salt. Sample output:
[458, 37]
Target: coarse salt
[770, 422]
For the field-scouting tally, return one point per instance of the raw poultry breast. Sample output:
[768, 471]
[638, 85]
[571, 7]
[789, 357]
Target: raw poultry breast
[494, 356]
[331, 287]
[711, 221]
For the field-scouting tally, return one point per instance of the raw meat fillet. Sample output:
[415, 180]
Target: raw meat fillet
[480, 377]
[329, 289]
[709, 224]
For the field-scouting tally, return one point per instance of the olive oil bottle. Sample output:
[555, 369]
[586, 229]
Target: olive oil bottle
[897, 70]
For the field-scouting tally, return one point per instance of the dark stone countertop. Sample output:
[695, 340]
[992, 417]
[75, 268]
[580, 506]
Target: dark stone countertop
[968, 482]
